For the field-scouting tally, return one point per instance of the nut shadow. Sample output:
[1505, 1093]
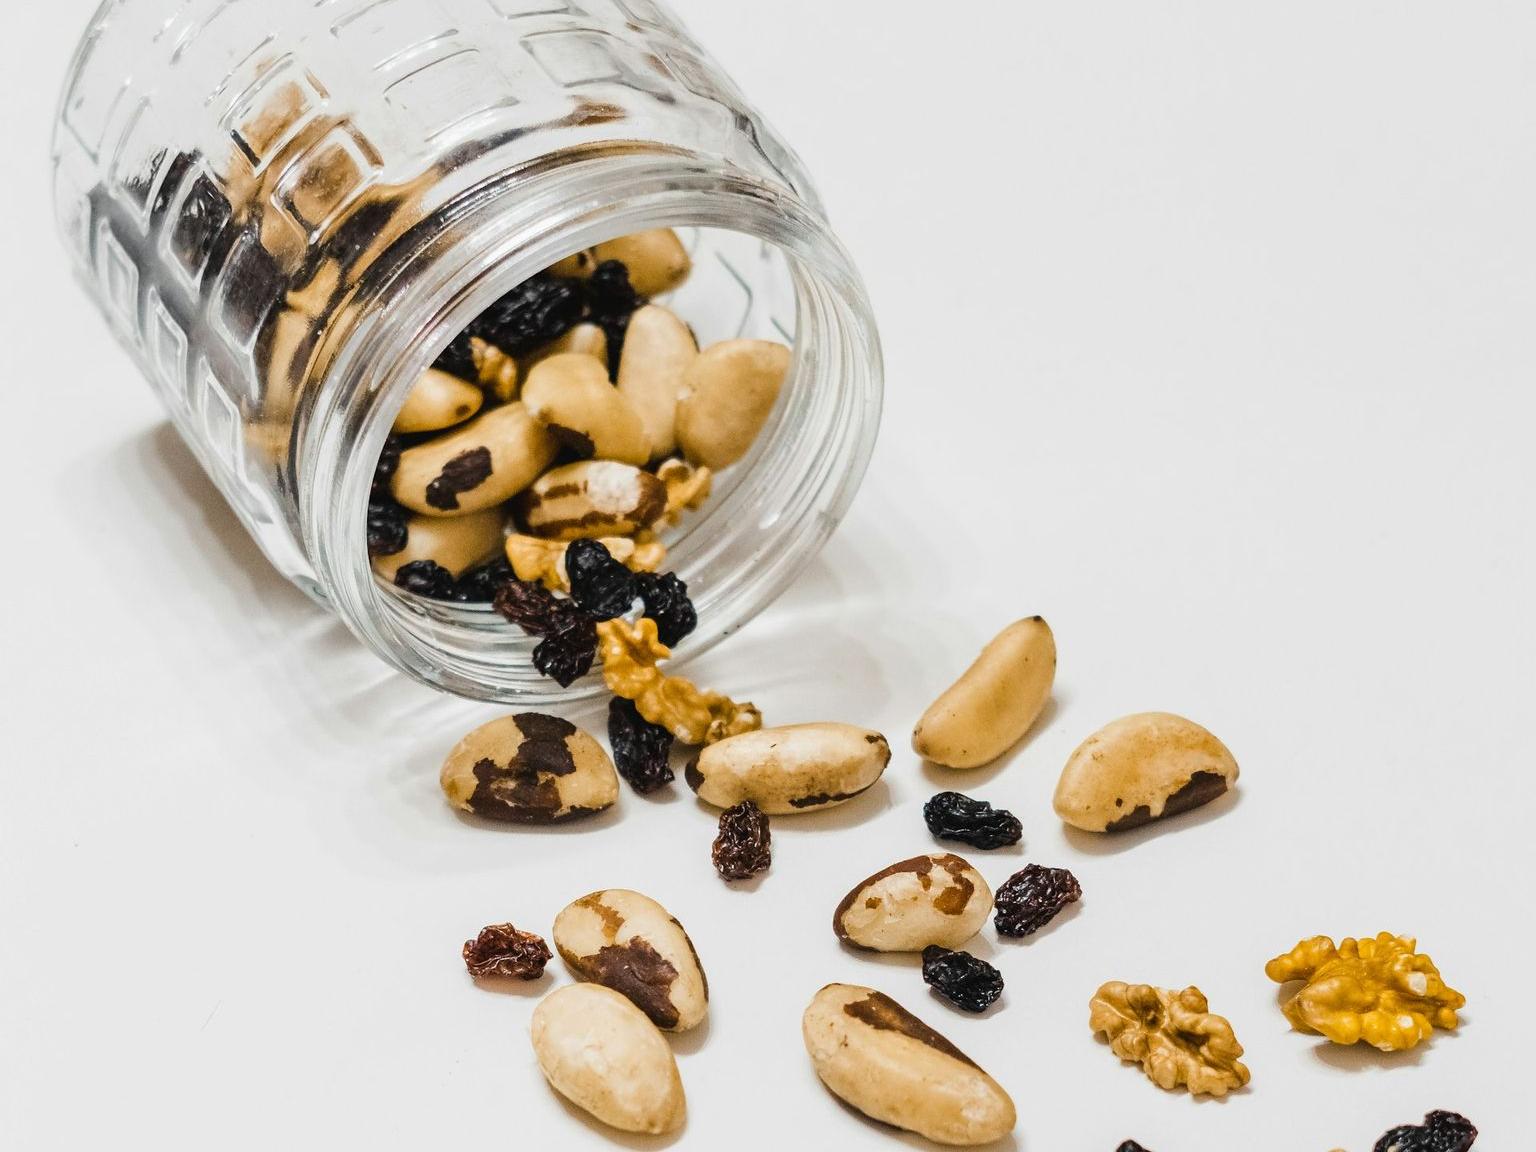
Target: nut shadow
[691, 1042]
[512, 986]
[1113, 843]
[1365, 1058]
[965, 779]
[849, 814]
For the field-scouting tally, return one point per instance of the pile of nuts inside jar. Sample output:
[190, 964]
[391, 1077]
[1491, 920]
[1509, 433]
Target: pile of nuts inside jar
[639, 975]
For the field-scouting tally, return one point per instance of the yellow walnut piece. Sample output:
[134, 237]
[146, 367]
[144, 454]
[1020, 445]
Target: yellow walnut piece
[1173, 1036]
[1382, 992]
[536, 560]
[630, 653]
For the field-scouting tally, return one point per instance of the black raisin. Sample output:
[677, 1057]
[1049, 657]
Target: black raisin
[1440, 1132]
[426, 578]
[568, 650]
[953, 816]
[1032, 897]
[479, 585]
[458, 359]
[389, 462]
[611, 301]
[534, 313]
[641, 750]
[387, 532]
[744, 846]
[1130, 1146]
[502, 950]
[966, 981]
[666, 602]
[600, 585]
[532, 607]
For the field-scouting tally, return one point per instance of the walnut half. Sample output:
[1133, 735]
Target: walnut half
[1172, 1035]
[1381, 991]
[631, 653]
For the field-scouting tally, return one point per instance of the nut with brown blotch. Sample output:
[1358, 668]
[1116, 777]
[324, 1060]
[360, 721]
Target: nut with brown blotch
[880, 1059]
[790, 769]
[658, 347]
[477, 465]
[1142, 768]
[591, 499]
[938, 898]
[727, 395]
[601, 1053]
[436, 401]
[656, 259]
[458, 543]
[530, 769]
[990, 708]
[1174, 1036]
[630, 943]
[571, 394]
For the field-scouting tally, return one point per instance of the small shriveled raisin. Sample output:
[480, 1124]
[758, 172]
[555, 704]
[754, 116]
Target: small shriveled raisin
[1032, 897]
[539, 310]
[666, 602]
[387, 532]
[425, 578]
[600, 585]
[458, 359]
[611, 301]
[641, 750]
[954, 816]
[568, 650]
[1130, 1146]
[744, 846]
[532, 607]
[1440, 1132]
[966, 981]
[389, 463]
[479, 585]
[502, 950]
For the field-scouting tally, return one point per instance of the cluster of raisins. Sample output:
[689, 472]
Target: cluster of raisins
[954, 816]
[1032, 897]
[1440, 1132]
[744, 846]
[540, 310]
[642, 751]
[386, 519]
[426, 578]
[611, 301]
[569, 645]
[600, 585]
[966, 981]
[503, 950]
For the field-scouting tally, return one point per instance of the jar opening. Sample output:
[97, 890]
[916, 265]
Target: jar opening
[764, 267]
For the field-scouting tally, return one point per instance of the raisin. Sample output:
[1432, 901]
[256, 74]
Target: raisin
[568, 650]
[744, 846]
[611, 301]
[600, 585]
[532, 607]
[666, 602]
[966, 981]
[953, 816]
[387, 532]
[641, 750]
[479, 585]
[458, 359]
[1032, 897]
[1440, 1132]
[502, 950]
[1130, 1146]
[537, 311]
[426, 578]
[389, 462]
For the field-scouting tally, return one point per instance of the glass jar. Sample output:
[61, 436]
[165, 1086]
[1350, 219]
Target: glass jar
[287, 209]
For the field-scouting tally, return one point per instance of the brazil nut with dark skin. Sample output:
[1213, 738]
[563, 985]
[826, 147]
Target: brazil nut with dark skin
[475, 466]
[938, 898]
[790, 769]
[529, 769]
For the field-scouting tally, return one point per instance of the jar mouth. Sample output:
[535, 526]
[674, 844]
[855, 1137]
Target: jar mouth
[770, 514]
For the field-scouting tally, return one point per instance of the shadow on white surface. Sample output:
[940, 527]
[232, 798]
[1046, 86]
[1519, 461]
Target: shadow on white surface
[582, 826]
[511, 986]
[692, 1041]
[1113, 843]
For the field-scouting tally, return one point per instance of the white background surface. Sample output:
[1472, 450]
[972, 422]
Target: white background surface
[1210, 337]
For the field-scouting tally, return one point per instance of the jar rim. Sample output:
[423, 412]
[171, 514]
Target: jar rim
[483, 245]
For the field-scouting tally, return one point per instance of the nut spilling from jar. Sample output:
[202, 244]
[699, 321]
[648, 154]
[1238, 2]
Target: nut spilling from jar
[1381, 991]
[1173, 1036]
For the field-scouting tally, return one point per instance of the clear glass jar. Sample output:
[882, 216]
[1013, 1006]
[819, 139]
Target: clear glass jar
[288, 208]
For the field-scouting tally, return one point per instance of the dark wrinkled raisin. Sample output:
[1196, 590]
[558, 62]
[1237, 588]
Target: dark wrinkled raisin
[1130, 1146]
[387, 532]
[666, 602]
[458, 359]
[611, 301]
[1032, 897]
[532, 607]
[537, 311]
[641, 750]
[966, 981]
[568, 650]
[953, 816]
[744, 846]
[425, 578]
[389, 462]
[1440, 1132]
[502, 950]
[600, 585]
[479, 585]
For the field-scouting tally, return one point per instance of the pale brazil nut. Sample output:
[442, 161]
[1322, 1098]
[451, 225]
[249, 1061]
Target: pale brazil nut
[937, 898]
[436, 401]
[600, 1052]
[795, 768]
[457, 543]
[630, 943]
[727, 395]
[475, 466]
[990, 708]
[658, 347]
[656, 259]
[592, 499]
[530, 769]
[877, 1057]
[1142, 768]
[571, 394]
